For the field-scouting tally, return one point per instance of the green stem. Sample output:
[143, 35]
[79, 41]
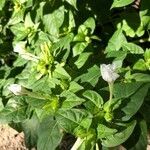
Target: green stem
[111, 92]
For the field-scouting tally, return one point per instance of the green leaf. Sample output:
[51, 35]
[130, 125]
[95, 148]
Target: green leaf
[71, 100]
[135, 102]
[43, 85]
[92, 76]
[104, 131]
[121, 3]
[70, 119]
[132, 48]
[2, 4]
[54, 21]
[94, 98]
[90, 23]
[20, 31]
[138, 139]
[79, 48]
[120, 136]
[30, 127]
[74, 87]
[124, 90]
[116, 41]
[49, 134]
[147, 55]
[14, 111]
[82, 59]
[140, 65]
[61, 73]
[141, 77]
[72, 2]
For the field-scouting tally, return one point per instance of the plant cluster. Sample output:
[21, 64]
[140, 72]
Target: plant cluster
[76, 67]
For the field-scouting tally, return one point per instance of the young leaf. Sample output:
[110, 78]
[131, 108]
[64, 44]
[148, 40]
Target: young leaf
[49, 134]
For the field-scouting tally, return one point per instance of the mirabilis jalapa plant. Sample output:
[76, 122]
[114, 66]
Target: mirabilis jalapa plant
[50, 80]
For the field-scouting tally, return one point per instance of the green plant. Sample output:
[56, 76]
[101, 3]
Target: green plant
[51, 81]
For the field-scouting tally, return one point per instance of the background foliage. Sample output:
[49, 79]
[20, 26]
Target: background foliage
[63, 43]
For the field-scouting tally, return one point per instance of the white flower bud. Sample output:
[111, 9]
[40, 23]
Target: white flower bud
[108, 72]
[17, 89]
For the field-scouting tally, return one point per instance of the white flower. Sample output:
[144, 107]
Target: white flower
[17, 89]
[108, 72]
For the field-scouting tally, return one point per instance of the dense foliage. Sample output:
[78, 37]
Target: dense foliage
[54, 49]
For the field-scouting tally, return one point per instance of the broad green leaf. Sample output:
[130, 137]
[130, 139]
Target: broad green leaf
[53, 21]
[91, 77]
[72, 2]
[17, 16]
[28, 21]
[141, 77]
[121, 3]
[120, 136]
[116, 41]
[79, 48]
[61, 73]
[49, 134]
[44, 84]
[140, 65]
[90, 23]
[104, 131]
[71, 100]
[30, 127]
[14, 111]
[132, 48]
[82, 59]
[124, 90]
[138, 140]
[36, 102]
[20, 31]
[70, 119]
[147, 55]
[20, 62]
[74, 87]
[2, 4]
[94, 98]
[134, 102]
